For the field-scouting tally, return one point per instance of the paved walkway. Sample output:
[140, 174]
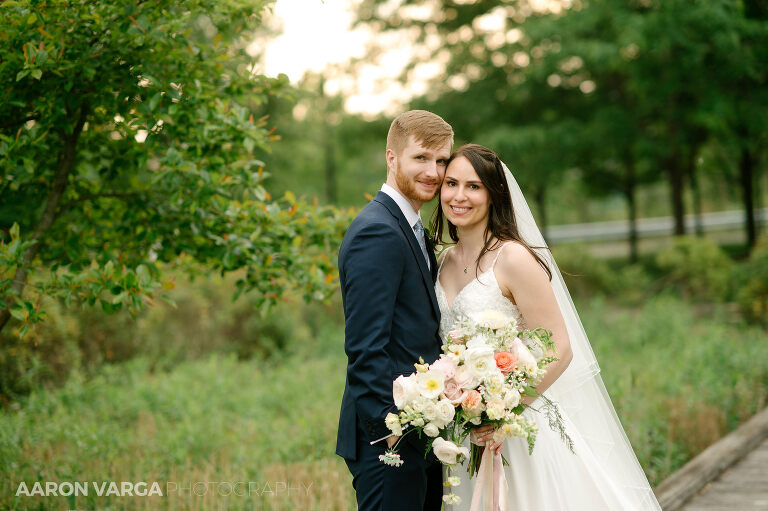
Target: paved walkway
[743, 487]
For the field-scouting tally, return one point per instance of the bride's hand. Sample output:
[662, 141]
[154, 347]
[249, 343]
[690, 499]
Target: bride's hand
[481, 435]
[484, 436]
[493, 445]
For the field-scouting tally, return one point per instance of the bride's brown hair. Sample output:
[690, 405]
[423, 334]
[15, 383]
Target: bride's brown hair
[501, 215]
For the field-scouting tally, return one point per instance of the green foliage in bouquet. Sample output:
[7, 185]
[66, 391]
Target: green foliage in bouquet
[130, 134]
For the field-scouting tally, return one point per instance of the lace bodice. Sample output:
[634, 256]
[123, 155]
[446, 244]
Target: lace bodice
[481, 294]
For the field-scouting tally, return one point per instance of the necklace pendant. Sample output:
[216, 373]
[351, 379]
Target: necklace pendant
[465, 270]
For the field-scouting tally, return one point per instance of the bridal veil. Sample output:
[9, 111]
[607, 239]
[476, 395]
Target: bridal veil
[580, 391]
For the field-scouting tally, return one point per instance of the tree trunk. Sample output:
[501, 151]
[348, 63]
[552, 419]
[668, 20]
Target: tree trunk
[60, 181]
[759, 197]
[746, 172]
[330, 167]
[675, 174]
[629, 194]
[696, 192]
[328, 141]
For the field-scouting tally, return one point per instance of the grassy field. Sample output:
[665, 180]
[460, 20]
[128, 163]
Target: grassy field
[678, 379]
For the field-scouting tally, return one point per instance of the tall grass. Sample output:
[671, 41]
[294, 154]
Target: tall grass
[217, 419]
[678, 382]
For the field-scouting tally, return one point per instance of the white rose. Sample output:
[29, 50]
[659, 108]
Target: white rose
[418, 422]
[491, 319]
[479, 360]
[430, 383]
[511, 398]
[393, 424]
[430, 410]
[404, 390]
[431, 430]
[445, 411]
[495, 409]
[477, 340]
[494, 382]
[419, 403]
[448, 452]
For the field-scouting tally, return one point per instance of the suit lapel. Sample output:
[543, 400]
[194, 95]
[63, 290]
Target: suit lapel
[432, 260]
[426, 275]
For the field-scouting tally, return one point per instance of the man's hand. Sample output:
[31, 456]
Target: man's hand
[391, 440]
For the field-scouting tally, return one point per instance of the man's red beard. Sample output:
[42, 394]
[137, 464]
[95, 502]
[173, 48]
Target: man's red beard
[408, 187]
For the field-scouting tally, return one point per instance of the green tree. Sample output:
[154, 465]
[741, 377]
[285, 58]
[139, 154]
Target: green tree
[324, 151]
[646, 82]
[130, 135]
[741, 117]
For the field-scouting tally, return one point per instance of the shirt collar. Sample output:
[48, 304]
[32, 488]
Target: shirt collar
[411, 216]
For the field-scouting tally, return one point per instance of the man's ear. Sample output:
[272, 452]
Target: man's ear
[391, 160]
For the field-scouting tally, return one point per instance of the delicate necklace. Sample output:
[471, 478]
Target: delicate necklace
[462, 254]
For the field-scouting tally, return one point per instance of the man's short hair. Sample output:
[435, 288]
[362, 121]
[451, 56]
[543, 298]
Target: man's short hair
[427, 129]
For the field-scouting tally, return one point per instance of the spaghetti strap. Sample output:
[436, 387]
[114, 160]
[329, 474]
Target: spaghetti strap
[498, 253]
[443, 259]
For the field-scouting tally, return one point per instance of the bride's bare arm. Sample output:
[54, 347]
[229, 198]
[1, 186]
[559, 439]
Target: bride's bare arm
[523, 280]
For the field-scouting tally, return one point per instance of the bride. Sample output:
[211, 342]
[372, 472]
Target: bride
[500, 262]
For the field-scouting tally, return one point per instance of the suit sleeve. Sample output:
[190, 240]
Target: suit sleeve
[373, 266]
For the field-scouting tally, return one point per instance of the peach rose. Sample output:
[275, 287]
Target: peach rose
[505, 361]
[472, 402]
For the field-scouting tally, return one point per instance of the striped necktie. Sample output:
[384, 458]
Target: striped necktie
[418, 229]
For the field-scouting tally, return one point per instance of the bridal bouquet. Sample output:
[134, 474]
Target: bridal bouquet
[488, 365]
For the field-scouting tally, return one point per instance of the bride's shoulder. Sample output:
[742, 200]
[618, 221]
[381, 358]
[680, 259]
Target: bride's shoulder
[516, 261]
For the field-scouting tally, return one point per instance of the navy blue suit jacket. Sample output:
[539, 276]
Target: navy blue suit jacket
[391, 317]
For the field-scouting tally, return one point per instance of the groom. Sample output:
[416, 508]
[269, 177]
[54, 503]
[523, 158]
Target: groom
[387, 270]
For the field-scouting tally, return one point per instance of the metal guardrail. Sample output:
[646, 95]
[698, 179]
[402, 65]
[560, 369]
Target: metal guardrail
[649, 227]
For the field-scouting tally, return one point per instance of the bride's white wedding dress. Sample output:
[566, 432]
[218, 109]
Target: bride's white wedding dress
[552, 478]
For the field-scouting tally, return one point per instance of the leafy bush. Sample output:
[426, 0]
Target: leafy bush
[752, 280]
[204, 320]
[586, 275]
[698, 268]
